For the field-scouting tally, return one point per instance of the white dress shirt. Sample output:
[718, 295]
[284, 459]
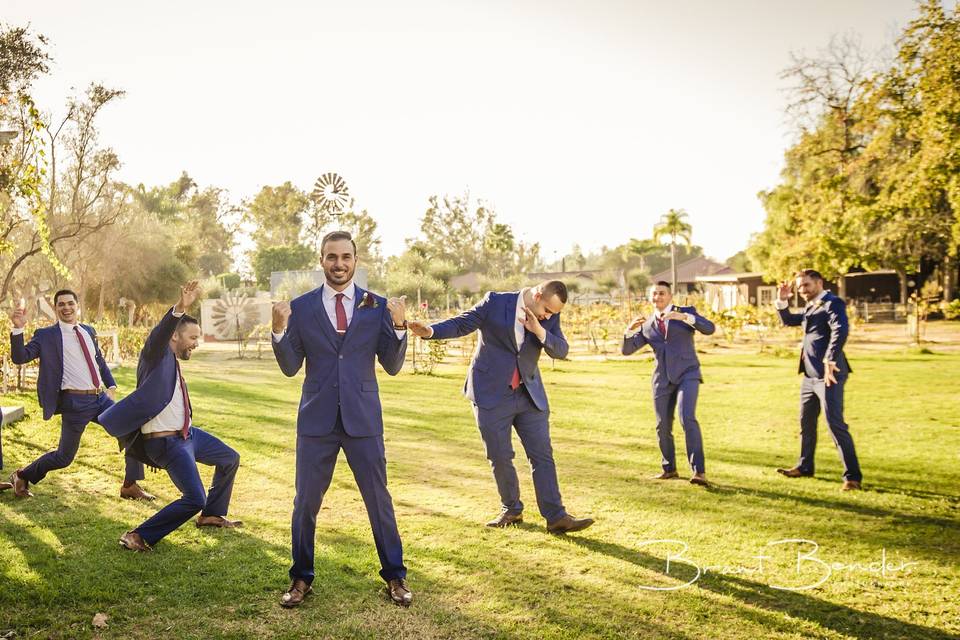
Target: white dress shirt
[688, 318]
[171, 418]
[329, 297]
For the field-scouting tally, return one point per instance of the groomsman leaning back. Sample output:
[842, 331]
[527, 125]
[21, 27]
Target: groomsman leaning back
[155, 424]
[75, 382]
[341, 331]
[825, 371]
[506, 389]
[676, 376]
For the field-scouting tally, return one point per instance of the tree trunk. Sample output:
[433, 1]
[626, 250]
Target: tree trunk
[673, 265]
[903, 285]
[949, 278]
[842, 287]
[103, 284]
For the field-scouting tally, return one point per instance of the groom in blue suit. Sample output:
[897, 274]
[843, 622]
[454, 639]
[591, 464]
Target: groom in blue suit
[340, 330]
[676, 376]
[506, 389]
[825, 370]
[74, 381]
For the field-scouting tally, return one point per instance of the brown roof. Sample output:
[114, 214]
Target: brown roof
[688, 271]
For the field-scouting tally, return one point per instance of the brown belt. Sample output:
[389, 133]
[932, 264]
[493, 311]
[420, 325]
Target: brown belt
[83, 392]
[160, 434]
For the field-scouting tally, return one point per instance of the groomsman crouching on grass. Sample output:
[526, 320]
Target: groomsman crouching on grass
[155, 424]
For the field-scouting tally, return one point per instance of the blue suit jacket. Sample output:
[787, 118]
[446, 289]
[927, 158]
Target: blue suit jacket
[825, 330]
[674, 354]
[156, 379]
[497, 354]
[341, 376]
[47, 344]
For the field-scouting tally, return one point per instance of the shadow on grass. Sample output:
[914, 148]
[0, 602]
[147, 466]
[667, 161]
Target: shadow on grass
[836, 617]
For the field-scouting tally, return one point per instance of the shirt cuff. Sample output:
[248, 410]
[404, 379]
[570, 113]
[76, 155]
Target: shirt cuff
[277, 337]
[16, 331]
[691, 319]
[781, 304]
[173, 310]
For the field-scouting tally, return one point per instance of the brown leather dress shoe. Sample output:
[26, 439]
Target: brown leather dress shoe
[218, 521]
[794, 472]
[20, 486]
[699, 479]
[851, 485]
[131, 540]
[569, 524]
[5, 485]
[399, 592]
[136, 492]
[666, 475]
[505, 519]
[294, 596]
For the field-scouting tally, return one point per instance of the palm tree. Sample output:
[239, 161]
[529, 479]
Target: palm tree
[672, 224]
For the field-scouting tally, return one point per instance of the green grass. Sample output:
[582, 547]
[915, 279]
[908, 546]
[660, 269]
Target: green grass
[60, 563]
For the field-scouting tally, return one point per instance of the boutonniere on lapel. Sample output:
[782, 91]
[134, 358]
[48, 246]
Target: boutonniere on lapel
[368, 301]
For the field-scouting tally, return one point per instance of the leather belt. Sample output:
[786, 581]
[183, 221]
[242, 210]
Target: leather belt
[83, 392]
[160, 434]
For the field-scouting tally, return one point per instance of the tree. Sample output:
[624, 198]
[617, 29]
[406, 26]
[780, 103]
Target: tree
[416, 275]
[454, 230]
[295, 257]
[277, 214]
[672, 225]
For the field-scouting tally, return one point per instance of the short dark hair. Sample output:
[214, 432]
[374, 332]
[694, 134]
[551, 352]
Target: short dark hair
[65, 292]
[663, 283]
[552, 288]
[185, 320]
[810, 273]
[337, 235]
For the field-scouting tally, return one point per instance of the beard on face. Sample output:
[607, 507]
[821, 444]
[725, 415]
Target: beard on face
[339, 277]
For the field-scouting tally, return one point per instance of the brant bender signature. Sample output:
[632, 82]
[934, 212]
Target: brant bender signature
[807, 561]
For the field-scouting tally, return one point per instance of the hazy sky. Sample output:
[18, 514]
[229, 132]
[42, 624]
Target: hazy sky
[580, 122]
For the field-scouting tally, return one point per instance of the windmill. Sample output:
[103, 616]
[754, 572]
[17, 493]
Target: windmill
[331, 194]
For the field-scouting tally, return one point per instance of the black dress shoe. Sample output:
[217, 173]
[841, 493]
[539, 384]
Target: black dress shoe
[569, 524]
[505, 519]
[399, 592]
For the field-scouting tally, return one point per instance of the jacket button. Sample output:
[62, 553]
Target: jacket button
[341, 357]
[334, 385]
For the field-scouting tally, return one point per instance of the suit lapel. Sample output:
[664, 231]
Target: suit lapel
[57, 336]
[357, 297]
[322, 318]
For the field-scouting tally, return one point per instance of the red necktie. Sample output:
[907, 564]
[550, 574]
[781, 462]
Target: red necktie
[86, 355]
[185, 429]
[515, 379]
[341, 315]
[662, 326]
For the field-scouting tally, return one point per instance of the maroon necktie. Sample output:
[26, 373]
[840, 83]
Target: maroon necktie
[341, 315]
[86, 356]
[515, 379]
[662, 326]
[185, 429]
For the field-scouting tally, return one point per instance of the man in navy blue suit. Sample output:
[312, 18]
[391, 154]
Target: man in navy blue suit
[825, 370]
[506, 389]
[676, 376]
[155, 423]
[340, 330]
[74, 381]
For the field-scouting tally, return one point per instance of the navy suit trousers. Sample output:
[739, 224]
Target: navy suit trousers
[665, 404]
[179, 458]
[316, 460]
[814, 395]
[76, 412]
[533, 426]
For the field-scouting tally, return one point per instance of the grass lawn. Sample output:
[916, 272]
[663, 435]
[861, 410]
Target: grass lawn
[60, 563]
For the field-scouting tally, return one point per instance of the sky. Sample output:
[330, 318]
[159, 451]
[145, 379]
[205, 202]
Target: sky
[579, 122]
